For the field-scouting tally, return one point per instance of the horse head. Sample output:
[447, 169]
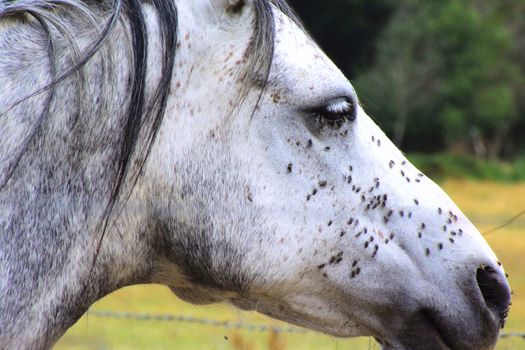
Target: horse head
[267, 186]
[297, 205]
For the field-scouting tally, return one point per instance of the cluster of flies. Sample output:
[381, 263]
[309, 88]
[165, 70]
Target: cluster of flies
[373, 201]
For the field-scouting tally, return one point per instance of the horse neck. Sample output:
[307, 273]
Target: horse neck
[52, 205]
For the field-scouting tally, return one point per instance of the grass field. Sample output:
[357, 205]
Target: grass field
[487, 205]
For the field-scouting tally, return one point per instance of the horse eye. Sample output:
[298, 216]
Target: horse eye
[336, 112]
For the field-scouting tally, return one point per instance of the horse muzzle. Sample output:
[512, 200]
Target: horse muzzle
[476, 327]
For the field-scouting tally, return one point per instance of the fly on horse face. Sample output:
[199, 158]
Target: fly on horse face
[211, 146]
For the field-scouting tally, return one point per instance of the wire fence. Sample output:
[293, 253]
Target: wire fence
[195, 320]
[238, 325]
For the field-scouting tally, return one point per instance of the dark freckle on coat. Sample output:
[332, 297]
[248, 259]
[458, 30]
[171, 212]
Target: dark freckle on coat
[373, 139]
[401, 213]
[440, 211]
[298, 143]
[289, 168]
[440, 246]
[386, 241]
[451, 240]
[419, 235]
[410, 215]
[357, 190]
[330, 223]
[327, 148]
[321, 266]
[249, 194]
[423, 226]
[325, 275]
[445, 228]
[322, 184]
[408, 179]
[418, 180]
[390, 212]
[309, 143]
[391, 236]
[427, 252]
[452, 233]
[350, 168]
[354, 263]
[342, 233]
[314, 192]
[402, 173]
[363, 198]
[350, 221]
[366, 230]
[460, 232]
[449, 221]
[416, 201]
[379, 143]
[308, 197]
[366, 244]
[403, 162]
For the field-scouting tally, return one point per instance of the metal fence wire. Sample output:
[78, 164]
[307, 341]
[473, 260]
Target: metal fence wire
[224, 324]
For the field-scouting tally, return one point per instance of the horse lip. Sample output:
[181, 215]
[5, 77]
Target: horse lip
[442, 333]
[423, 331]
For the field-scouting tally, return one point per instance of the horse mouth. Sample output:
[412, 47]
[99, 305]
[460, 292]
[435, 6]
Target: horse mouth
[429, 330]
[423, 331]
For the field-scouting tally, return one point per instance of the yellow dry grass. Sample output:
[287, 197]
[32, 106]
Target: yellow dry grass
[487, 204]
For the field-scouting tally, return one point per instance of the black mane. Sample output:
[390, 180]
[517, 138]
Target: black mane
[144, 114]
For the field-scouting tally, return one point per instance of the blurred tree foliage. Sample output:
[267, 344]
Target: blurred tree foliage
[436, 74]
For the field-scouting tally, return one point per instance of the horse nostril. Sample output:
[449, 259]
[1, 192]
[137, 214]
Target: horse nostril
[495, 290]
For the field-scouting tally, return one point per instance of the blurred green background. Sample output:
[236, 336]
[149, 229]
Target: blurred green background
[437, 75]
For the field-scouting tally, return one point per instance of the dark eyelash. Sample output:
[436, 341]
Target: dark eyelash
[334, 118]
